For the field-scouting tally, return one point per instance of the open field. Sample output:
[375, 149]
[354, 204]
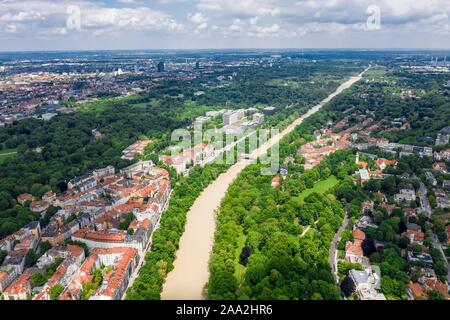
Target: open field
[6, 154]
[320, 187]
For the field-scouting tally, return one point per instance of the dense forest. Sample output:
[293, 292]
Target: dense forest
[272, 243]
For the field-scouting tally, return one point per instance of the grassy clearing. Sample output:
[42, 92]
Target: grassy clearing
[320, 187]
[285, 83]
[7, 154]
[101, 105]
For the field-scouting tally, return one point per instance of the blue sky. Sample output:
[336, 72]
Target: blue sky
[191, 24]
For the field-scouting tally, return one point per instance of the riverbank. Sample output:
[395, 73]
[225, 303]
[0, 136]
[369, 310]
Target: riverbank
[190, 273]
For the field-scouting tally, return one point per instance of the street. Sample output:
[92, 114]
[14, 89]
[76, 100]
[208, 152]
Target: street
[423, 194]
[332, 258]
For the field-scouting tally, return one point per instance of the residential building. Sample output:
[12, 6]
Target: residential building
[276, 182]
[420, 257]
[382, 164]
[7, 275]
[431, 179]
[406, 195]
[415, 291]
[21, 199]
[440, 167]
[436, 285]
[135, 149]
[444, 155]
[415, 237]
[120, 262]
[39, 206]
[16, 260]
[19, 289]
[367, 284]
[353, 250]
[442, 139]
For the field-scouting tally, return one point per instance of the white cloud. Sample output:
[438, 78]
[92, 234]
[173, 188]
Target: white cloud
[215, 20]
[197, 18]
[128, 19]
[45, 16]
[328, 16]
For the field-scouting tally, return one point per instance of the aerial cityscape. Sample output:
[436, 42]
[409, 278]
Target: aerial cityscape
[221, 174]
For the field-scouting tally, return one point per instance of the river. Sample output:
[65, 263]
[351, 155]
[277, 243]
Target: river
[190, 274]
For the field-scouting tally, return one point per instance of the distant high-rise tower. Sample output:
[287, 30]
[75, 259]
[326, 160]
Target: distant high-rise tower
[161, 66]
[197, 65]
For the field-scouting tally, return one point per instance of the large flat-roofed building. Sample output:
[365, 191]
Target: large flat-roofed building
[269, 110]
[258, 118]
[231, 117]
[366, 284]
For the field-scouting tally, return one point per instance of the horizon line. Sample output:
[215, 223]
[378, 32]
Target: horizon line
[231, 49]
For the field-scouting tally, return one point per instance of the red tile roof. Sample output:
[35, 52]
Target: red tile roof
[25, 197]
[75, 251]
[118, 236]
[20, 285]
[354, 248]
[114, 279]
[417, 291]
[437, 286]
[359, 235]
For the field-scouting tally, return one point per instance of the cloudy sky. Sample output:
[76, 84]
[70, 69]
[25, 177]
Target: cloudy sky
[191, 24]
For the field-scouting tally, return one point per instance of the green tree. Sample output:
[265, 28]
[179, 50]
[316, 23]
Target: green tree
[38, 279]
[30, 258]
[3, 255]
[56, 291]
[436, 295]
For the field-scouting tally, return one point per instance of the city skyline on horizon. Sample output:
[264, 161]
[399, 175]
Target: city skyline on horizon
[231, 49]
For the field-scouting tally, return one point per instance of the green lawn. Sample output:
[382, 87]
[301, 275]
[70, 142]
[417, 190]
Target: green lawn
[286, 83]
[6, 154]
[320, 187]
[101, 105]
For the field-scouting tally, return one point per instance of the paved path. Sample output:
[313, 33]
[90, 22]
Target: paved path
[333, 255]
[423, 194]
[307, 229]
[191, 272]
